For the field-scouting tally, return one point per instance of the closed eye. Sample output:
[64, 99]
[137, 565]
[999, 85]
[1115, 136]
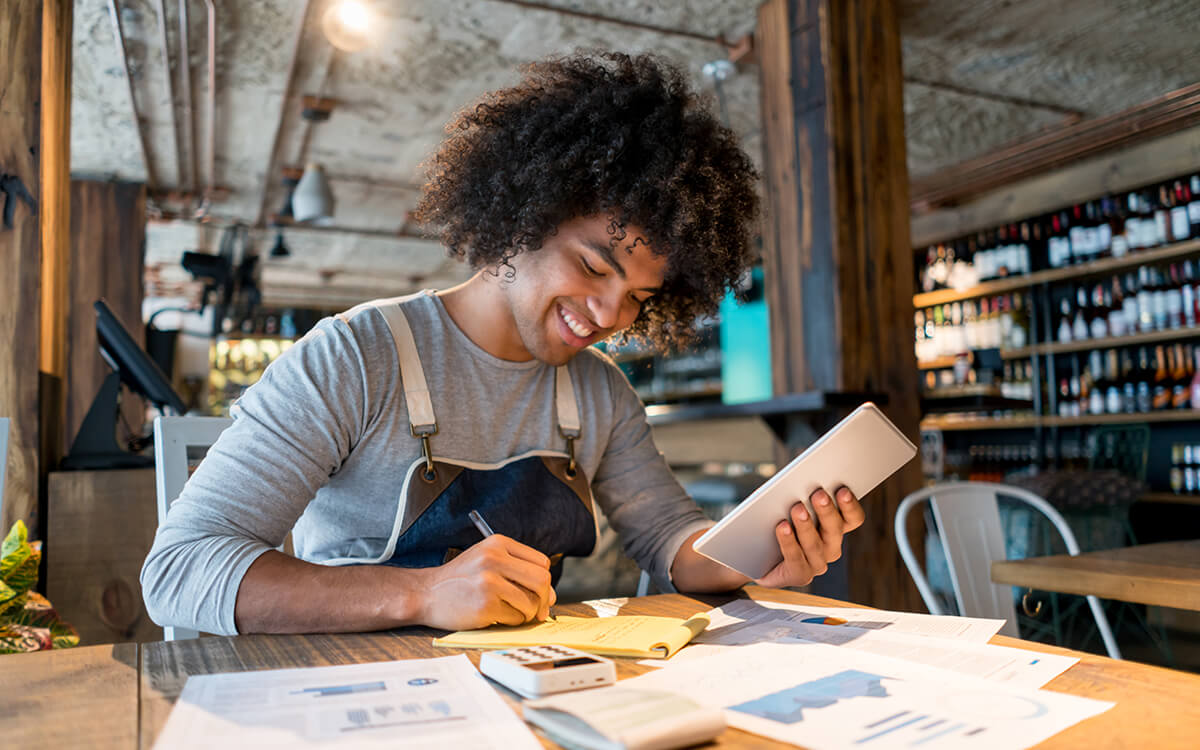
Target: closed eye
[589, 269]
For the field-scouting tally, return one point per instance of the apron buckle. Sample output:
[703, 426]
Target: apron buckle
[571, 436]
[423, 433]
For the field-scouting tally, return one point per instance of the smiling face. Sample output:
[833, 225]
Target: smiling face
[578, 288]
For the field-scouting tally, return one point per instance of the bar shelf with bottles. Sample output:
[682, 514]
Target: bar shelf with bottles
[1090, 315]
[1118, 272]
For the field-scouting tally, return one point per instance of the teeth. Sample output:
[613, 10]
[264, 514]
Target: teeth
[576, 327]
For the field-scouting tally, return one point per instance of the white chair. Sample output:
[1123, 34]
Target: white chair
[968, 520]
[179, 445]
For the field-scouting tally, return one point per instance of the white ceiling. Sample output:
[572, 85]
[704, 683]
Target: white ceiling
[979, 74]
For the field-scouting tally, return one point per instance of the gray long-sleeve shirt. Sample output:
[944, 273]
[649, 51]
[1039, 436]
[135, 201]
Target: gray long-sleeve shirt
[322, 444]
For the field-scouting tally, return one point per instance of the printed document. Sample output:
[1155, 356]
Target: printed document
[823, 696]
[416, 703]
[1013, 666]
[742, 612]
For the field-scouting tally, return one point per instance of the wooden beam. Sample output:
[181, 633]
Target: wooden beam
[20, 80]
[837, 259]
[1060, 147]
[1112, 172]
[55, 224]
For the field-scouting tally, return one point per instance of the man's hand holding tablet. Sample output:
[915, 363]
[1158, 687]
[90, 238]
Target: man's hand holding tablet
[791, 528]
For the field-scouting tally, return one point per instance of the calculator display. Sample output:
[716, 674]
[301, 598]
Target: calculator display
[560, 663]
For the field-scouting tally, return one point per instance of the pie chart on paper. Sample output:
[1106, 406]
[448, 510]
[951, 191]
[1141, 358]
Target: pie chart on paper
[822, 620]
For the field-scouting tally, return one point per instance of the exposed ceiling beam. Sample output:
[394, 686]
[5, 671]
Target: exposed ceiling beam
[1073, 115]
[613, 20]
[1056, 148]
[119, 37]
[273, 154]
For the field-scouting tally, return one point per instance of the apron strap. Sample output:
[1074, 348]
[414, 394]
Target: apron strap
[565, 403]
[416, 391]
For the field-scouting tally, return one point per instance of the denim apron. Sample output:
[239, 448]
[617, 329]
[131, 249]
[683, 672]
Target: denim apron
[540, 498]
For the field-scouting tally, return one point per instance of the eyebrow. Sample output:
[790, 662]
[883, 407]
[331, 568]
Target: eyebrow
[605, 251]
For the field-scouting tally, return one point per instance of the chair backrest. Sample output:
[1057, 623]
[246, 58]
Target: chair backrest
[179, 445]
[3, 464]
[968, 519]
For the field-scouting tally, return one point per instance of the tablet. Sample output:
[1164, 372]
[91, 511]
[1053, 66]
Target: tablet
[859, 452]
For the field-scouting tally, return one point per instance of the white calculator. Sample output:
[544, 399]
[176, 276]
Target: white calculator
[534, 671]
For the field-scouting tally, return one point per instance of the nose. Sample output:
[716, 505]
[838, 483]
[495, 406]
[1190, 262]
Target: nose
[605, 309]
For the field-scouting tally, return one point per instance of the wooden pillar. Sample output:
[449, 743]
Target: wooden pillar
[20, 82]
[836, 244]
[55, 210]
[108, 231]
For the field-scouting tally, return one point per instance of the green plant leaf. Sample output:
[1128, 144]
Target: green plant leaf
[18, 535]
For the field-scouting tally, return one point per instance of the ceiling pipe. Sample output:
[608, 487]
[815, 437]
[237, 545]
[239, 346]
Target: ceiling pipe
[211, 156]
[166, 57]
[119, 35]
[188, 116]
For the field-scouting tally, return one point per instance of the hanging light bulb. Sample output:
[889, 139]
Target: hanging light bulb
[312, 200]
[280, 250]
[347, 25]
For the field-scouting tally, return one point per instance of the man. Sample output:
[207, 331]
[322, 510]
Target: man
[595, 198]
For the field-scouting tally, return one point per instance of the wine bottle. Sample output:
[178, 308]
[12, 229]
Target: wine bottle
[1145, 376]
[1194, 396]
[1080, 234]
[1115, 297]
[1130, 303]
[1112, 384]
[1080, 327]
[1098, 323]
[1064, 320]
[1162, 218]
[1174, 297]
[1161, 393]
[1158, 299]
[1180, 225]
[1091, 385]
[1128, 382]
[1064, 397]
[1117, 219]
[1193, 207]
[1145, 300]
[1019, 336]
[1180, 382]
[1187, 292]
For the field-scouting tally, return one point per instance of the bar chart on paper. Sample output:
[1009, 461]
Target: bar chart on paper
[853, 698]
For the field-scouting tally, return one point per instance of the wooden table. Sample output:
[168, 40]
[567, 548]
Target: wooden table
[1166, 574]
[78, 697]
[1152, 703]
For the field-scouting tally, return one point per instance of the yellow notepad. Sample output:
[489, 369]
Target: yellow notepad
[642, 636]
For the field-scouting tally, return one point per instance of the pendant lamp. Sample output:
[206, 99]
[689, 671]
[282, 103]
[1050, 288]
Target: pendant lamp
[312, 200]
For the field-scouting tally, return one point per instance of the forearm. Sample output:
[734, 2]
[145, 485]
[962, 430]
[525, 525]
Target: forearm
[281, 594]
[693, 572]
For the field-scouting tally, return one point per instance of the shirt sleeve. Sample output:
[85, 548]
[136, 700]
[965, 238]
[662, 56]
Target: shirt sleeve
[651, 512]
[291, 431]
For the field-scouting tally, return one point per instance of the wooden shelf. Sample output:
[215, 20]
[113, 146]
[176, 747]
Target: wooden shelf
[1024, 281]
[950, 422]
[941, 363]
[1169, 497]
[1114, 341]
[1178, 415]
[953, 424]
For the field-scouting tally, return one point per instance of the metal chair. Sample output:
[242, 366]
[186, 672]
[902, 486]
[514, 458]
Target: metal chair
[180, 443]
[968, 518]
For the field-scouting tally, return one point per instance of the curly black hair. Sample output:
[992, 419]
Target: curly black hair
[600, 133]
